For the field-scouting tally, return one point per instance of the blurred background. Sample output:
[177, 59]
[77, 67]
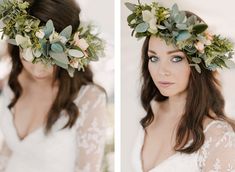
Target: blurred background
[217, 14]
[101, 14]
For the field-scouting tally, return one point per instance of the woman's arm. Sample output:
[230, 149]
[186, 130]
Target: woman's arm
[5, 153]
[218, 151]
[91, 130]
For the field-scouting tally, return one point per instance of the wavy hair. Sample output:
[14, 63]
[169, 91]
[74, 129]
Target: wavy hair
[203, 96]
[63, 13]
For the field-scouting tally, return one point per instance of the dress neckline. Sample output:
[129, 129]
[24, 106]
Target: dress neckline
[20, 139]
[171, 156]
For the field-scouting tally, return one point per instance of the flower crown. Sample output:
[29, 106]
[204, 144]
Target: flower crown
[43, 43]
[187, 33]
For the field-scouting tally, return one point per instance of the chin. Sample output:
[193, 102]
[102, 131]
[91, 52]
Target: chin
[41, 76]
[171, 93]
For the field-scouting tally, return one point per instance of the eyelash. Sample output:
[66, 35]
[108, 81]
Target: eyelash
[155, 59]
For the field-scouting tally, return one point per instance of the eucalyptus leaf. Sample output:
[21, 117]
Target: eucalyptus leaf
[12, 41]
[58, 63]
[196, 60]
[37, 53]
[142, 27]
[66, 32]
[60, 57]
[179, 18]
[49, 28]
[130, 6]
[197, 67]
[175, 9]
[230, 63]
[191, 20]
[199, 28]
[181, 26]
[161, 27]
[75, 53]
[71, 71]
[57, 48]
[183, 35]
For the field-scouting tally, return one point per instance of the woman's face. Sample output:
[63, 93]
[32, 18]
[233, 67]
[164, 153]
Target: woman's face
[168, 67]
[37, 71]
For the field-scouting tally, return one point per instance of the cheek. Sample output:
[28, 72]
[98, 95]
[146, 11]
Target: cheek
[183, 74]
[152, 70]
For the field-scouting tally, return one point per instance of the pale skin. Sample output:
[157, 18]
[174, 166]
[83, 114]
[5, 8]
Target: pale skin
[39, 92]
[170, 72]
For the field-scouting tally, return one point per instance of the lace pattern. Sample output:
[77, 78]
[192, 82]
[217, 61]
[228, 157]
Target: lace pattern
[218, 152]
[91, 130]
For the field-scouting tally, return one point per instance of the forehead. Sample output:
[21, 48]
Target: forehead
[159, 45]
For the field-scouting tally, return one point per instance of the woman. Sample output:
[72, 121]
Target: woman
[53, 115]
[185, 127]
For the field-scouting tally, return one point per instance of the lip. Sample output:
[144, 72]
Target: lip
[165, 84]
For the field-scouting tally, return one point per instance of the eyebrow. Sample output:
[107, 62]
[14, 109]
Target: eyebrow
[169, 52]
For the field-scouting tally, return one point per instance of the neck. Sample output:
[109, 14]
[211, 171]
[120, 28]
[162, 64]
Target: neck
[176, 104]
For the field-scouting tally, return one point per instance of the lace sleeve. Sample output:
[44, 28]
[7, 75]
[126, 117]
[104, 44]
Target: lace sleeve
[91, 129]
[5, 153]
[218, 151]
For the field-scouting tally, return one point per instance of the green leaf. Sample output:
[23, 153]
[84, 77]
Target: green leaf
[180, 17]
[161, 27]
[75, 53]
[66, 32]
[57, 48]
[131, 17]
[196, 60]
[58, 63]
[181, 26]
[183, 35]
[130, 6]
[49, 28]
[11, 41]
[197, 67]
[71, 71]
[191, 20]
[174, 10]
[199, 28]
[230, 64]
[60, 57]
[37, 53]
[142, 27]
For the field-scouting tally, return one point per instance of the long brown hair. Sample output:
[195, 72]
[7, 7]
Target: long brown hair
[62, 13]
[203, 96]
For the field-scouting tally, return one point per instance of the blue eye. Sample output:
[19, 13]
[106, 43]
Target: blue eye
[176, 59]
[153, 58]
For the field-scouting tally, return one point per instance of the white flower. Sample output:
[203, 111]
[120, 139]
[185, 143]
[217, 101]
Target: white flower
[150, 18]
[24, 42]
[74, 63]
[40, 34]
[28, 54]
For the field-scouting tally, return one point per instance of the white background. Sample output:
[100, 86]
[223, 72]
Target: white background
[219, 15]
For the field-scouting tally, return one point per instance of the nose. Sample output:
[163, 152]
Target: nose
[164, 68]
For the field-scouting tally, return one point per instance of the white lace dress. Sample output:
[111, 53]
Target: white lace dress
[79, 149]
[216, 155]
